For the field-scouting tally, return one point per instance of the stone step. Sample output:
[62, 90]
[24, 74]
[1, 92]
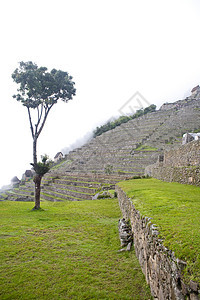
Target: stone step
[13, 195]
[56, 196]
[24, 192]
[64, 191]
[89, 180]
[81, 189]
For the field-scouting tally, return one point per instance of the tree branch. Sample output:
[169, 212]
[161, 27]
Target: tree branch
[40, 112]
[31, 125]
[47, 110]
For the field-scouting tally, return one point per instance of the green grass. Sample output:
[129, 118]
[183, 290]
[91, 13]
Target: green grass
[58, 165]
[68, 250]
[3, 195]
[112, 192]
[75, 191]
[77, 186]
[145, 148]
[175, 209]
[61, 198]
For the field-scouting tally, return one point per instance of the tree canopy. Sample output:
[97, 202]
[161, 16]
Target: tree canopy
[40, 90]
[38, 86]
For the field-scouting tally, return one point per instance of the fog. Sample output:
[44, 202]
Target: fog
[78, 143]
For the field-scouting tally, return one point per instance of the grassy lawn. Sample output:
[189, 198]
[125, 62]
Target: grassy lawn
[175, 208]
[67, 251]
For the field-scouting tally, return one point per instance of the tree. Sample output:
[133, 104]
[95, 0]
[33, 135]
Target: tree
[39, 90]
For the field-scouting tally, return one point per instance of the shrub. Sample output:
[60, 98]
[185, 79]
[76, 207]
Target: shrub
[123, 119]
[108, 169]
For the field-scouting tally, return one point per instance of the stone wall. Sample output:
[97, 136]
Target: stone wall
[161, 268]
[185, 155]
[181, 165]
[184, 175]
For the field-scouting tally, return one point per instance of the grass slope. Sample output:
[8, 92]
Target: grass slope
[175, 208]
[67, 251]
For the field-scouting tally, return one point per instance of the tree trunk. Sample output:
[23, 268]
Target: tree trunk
[35, 152]
[37, 180]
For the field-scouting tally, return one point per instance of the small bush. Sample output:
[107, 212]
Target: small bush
[108, 169]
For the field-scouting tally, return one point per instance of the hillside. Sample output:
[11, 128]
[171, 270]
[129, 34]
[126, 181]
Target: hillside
[122, 152]
[130, 147]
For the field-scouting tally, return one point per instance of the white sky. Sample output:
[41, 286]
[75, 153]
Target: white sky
[111, 48]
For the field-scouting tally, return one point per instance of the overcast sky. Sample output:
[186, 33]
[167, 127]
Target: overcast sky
[112, 48]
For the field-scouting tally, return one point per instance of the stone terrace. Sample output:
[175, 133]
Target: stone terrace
[62, 187]
[129, 148]
[75, 186]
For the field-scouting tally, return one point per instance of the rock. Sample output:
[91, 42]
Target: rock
[194, 286]
[128, 248]
[95, 196]
[24, 199]
[125, 232]
[122, 250]
[181, 264]
[194, 296]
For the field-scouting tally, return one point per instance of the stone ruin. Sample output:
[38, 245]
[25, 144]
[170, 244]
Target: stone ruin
[189, 137]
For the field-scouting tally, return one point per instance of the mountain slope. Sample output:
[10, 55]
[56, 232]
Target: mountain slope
[130, 147]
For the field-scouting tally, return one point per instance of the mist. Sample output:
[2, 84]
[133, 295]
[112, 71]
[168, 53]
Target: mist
[78, 143]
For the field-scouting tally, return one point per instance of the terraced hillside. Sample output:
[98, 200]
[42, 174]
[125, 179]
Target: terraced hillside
[76, 187]
[122, 152]
[63, 187]
[129, 148]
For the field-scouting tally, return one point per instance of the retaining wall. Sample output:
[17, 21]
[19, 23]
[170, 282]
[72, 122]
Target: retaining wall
[185, 175]
[161, 268]
[181, 165]
[185, 155]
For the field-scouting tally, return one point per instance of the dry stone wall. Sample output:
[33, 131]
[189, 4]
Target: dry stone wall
[180, 165]
[184, 175]
[161, 268]
[186, 155]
